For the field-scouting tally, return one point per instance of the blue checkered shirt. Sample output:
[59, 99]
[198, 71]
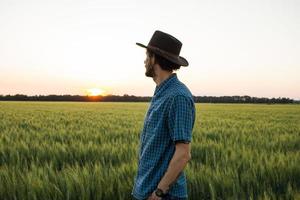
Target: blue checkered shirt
[170, 118]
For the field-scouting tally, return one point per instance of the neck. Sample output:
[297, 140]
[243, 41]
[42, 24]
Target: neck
[163, 75]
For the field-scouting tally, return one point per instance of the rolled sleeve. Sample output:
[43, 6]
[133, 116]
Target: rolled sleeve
[181, 118]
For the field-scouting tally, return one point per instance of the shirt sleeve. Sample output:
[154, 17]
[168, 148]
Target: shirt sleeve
[181, 118]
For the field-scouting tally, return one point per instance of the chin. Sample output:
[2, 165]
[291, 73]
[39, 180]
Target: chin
[149, 74]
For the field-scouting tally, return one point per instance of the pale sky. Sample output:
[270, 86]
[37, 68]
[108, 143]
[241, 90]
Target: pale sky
[66, 47]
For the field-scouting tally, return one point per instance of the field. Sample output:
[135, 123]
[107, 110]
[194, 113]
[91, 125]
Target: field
[87, 151]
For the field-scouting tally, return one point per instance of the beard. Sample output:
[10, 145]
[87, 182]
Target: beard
[150, 71]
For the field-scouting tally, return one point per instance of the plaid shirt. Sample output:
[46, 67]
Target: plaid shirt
[170, 118]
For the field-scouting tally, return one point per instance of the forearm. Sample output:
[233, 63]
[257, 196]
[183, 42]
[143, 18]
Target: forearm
[176, 165]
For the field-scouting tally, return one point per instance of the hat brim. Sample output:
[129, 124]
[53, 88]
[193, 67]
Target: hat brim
[172, 58]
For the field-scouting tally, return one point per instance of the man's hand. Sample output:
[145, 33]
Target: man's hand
[178, 162]
[154, 197]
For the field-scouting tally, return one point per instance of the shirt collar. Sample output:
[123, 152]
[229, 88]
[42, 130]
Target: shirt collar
[164, 84]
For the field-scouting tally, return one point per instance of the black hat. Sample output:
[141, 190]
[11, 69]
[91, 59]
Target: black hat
[166, 46]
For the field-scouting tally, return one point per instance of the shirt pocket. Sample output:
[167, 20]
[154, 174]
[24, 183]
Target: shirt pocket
[153, 119]
[157, 118]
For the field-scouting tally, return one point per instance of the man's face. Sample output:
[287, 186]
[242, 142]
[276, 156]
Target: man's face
[149, 65]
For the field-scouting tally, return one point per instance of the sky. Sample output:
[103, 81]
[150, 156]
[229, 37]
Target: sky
[234, 47]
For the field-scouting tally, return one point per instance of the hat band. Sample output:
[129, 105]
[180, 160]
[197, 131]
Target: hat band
[163, 52]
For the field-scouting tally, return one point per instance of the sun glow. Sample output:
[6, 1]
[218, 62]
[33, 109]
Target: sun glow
[95, 92]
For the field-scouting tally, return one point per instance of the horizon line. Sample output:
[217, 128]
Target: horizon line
[150, 95]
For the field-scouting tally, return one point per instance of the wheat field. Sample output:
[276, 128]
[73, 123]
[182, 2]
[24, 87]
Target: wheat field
[64, 150]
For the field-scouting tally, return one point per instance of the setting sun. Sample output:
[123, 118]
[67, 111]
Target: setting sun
[95, 92]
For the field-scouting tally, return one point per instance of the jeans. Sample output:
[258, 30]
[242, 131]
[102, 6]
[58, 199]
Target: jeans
[168, 197]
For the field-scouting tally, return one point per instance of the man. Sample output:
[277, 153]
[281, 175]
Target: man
[167, 132]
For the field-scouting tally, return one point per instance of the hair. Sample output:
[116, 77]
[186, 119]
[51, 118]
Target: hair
[163, 63]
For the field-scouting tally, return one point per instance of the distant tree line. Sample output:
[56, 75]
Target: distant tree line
[242, 99]
[109, 98]
[132, 98]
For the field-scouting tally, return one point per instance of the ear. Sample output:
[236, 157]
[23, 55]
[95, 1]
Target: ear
[152, 59]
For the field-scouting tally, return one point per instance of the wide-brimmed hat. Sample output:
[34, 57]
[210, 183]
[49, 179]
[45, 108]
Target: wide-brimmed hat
[166, 46]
